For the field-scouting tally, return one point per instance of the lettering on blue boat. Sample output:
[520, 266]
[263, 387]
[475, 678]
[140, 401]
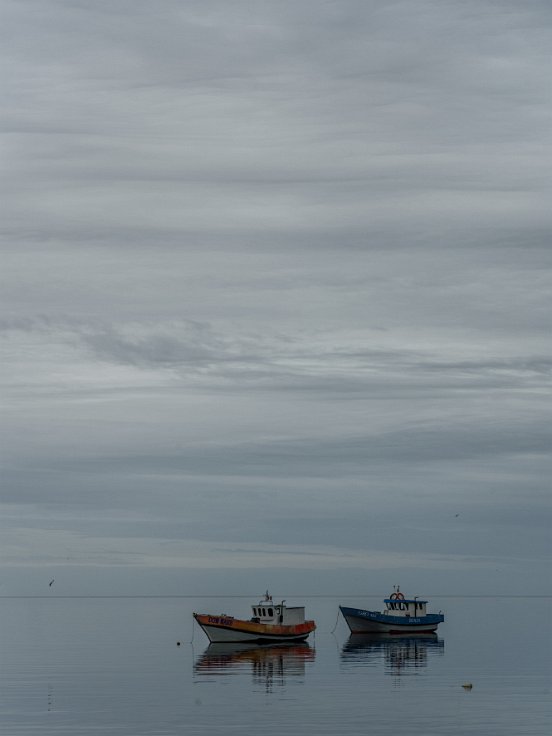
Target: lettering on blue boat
[406, 620]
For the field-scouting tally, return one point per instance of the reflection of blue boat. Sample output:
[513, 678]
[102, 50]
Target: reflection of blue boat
[399, 652]
[401, 615]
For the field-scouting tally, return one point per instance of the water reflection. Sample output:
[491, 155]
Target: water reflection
[399, 654]
[268, 664]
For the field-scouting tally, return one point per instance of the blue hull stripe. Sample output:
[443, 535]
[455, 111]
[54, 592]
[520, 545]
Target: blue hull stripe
[382, 618]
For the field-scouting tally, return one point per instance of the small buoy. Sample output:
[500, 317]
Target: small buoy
[177, 643]
[467, 686]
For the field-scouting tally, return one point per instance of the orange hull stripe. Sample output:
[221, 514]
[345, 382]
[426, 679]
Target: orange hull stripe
[227, 622]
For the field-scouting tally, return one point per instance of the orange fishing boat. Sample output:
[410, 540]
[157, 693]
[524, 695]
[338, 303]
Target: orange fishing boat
[270, 622]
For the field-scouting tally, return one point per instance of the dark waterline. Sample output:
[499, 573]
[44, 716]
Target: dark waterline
[254, 596]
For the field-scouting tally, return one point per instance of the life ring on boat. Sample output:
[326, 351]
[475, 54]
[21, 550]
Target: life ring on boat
[393, 597]
[399, 596]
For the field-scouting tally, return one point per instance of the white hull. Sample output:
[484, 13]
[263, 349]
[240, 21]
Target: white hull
[362, 626]
[218, 635]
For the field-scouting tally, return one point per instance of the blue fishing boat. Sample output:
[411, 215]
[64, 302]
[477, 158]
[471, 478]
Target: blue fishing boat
[401, 615]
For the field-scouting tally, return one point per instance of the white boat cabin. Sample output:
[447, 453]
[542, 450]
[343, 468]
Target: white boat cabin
[398, 605]
[268, 612]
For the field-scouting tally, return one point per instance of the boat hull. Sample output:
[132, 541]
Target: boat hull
[229, 630]
[361, 621]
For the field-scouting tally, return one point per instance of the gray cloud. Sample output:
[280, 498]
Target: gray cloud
[276, 276]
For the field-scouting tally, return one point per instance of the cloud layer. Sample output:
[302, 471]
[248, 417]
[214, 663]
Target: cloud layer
[276, 291]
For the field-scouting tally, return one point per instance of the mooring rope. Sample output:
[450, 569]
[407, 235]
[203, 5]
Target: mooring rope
[336, 621]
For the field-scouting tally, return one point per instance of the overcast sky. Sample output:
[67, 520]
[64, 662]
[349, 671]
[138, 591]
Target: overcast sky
[275, 296]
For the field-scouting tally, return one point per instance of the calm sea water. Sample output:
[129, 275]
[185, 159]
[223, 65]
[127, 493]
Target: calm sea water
[112, 666]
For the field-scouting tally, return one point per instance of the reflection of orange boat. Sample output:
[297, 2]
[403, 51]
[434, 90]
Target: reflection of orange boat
[269, 663]
[271, 622]
[227, 656]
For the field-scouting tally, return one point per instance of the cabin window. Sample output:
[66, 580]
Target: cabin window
[264, 611]
[270, 612]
